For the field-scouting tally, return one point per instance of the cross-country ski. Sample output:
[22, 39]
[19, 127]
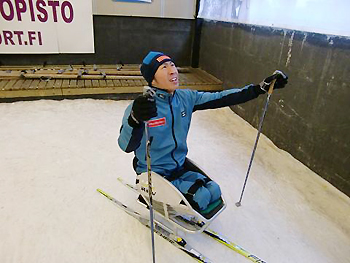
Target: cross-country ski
[161, 230]
[169, 236]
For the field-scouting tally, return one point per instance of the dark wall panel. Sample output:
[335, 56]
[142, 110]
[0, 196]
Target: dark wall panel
[126, 39]
[311, 117]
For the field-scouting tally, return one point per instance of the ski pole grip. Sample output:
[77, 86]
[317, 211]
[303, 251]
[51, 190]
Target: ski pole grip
[149, 92]
[271, 87]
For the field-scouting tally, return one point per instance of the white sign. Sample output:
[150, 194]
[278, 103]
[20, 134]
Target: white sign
[46, 26]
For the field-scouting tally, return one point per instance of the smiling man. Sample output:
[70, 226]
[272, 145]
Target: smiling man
[169, 115]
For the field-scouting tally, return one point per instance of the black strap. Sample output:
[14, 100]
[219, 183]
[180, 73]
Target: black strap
[197, 184]
[192, 191]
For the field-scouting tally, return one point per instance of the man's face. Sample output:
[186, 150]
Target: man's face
[166, 77]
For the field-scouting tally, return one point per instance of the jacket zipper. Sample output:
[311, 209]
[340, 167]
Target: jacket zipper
[173, 132]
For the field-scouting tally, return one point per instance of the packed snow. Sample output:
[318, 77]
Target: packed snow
[54, 154]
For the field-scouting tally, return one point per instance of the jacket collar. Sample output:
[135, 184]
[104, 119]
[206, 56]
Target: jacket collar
[163, 94]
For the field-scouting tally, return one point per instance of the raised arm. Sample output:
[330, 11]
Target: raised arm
[208, 100]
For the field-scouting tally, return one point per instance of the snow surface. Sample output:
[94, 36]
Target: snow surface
[54, 154]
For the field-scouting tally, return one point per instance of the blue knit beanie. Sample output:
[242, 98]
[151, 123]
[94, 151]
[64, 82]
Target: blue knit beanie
[151, 63]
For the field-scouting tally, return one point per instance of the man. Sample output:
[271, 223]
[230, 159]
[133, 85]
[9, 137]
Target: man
[169, 115]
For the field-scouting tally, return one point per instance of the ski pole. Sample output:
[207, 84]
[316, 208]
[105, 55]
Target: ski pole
[239, 203]
[149, 92]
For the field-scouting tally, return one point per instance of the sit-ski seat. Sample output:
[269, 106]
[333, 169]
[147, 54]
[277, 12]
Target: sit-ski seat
[172, 205]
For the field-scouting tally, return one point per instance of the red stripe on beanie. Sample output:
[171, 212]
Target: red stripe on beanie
[161, 58]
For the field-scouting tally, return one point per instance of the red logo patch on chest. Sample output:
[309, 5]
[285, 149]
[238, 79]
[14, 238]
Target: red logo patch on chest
[157, 122]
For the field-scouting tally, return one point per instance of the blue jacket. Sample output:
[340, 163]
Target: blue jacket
[168, 131]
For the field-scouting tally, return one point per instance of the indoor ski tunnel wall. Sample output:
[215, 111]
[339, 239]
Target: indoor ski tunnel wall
[310, 118]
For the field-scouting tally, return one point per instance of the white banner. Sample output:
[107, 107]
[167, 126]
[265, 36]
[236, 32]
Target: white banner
[46, 26]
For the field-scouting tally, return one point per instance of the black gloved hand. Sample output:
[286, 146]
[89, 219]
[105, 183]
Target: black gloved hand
[143, 109]
[281, 81]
